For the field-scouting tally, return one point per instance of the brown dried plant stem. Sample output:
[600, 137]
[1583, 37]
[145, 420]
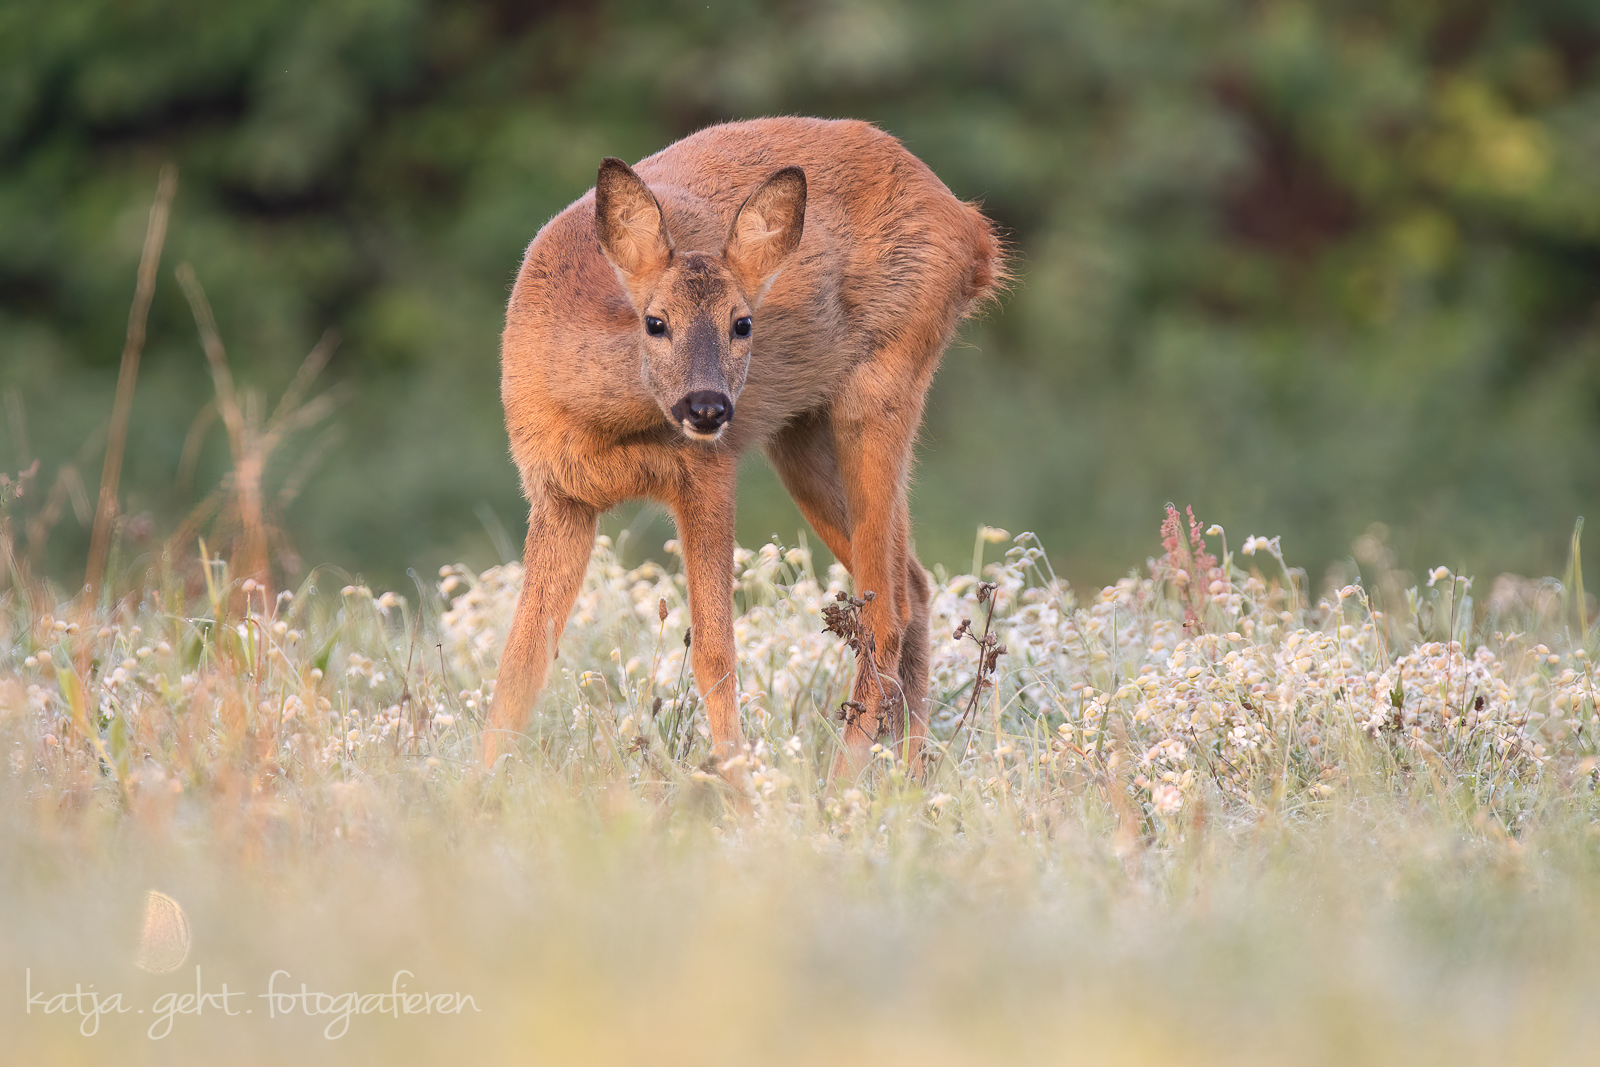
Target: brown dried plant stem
[241, 499]
[144, 290]
[248, 459]
[989, 652]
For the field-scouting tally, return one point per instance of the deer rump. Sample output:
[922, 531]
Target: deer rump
[850, 265]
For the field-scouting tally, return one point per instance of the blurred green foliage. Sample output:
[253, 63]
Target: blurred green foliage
[1309, 266]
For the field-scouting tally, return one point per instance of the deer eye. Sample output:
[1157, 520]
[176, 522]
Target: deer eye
[741, 326]
[654, 326]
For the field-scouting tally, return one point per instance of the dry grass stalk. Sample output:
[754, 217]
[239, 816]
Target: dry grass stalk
[251, 441]
[144, 290]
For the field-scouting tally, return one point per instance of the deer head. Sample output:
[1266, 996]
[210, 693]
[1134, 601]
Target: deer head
[697, 310]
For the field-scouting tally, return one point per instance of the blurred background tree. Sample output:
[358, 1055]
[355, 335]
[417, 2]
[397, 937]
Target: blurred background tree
[1309, 266]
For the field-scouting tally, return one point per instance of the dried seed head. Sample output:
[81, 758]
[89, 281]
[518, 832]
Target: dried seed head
[661, 610]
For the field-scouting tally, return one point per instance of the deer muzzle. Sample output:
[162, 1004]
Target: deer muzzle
[703, 413]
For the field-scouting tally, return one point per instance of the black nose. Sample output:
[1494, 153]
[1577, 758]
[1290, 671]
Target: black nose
[704, 410]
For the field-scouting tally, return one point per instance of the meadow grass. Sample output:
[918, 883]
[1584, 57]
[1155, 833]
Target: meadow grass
[1200, 816]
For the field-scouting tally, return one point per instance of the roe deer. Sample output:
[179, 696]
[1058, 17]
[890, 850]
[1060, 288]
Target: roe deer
[786, 283]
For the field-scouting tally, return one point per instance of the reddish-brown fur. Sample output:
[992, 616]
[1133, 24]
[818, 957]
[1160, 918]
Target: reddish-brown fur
[867, 263]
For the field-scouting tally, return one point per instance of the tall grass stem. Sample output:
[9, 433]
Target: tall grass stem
[155, 237]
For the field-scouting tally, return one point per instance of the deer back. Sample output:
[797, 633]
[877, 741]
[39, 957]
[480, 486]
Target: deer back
[888, 263]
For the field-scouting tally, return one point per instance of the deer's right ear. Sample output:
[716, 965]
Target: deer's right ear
[628, 221]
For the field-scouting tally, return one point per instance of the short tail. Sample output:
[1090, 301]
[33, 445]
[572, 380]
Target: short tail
[991, 268]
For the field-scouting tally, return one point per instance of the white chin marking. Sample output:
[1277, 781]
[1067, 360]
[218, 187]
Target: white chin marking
[695, 435]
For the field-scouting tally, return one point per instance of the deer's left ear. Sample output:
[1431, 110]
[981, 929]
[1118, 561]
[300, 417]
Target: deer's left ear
[766, 230]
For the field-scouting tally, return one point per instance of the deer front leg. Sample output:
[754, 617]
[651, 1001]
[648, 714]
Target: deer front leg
[704, 507]
[560, 538]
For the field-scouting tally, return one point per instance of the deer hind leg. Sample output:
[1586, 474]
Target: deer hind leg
[912, 728]
[875, 419]
[560, 538]
[803, 455]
